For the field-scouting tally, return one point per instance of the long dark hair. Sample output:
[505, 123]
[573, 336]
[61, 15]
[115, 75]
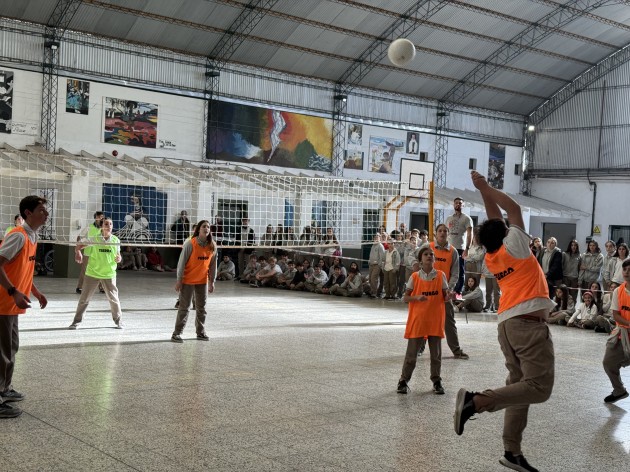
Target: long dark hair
[625, 246]
[196, 233]
[562, 304]
[577, 247]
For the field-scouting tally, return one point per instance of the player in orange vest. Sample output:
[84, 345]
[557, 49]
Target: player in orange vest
[523, 334]
[17, 264]
[618, 347]
[196, 273]
[426, 291]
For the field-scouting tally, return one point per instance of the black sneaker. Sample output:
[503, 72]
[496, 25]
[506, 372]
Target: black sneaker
[12, 396]
[464, 409]
[9, 411]
[519, 462]
[78, 290]
[612, 398]
[203, 337]
[461, 355]
[402, 387]
[437, 388]
[176, 338]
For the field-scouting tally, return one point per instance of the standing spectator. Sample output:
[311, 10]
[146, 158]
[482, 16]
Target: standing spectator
[476, 253]
[592, 262]
[101, 269]
[536, 247]
[460, 237]
[267, 240]
[196, 272]
[226, 270]
[608, 267]
[181, 227]
[17, 265]
[87, 235]
[621, 254]
[571, 262]
[17, 221]
[493, 292]
[391, 264]
[427, 289]
[245, 237]
[375, 264]
[551, 263]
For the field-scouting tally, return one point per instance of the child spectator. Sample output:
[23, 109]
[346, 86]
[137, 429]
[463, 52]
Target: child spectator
[226, 269]
[493, 292]
[472, 298]
[592, 262]
[285, 279]
[605, 323]
[297, 283]
[155, 262]
[335, 279]
[128, 259]
[390, 265]
[267, 276]
[375, 264]
[565, 306]
[586, 313]
[141, 259]
[316, 281]
[571, 262]
[251, 269]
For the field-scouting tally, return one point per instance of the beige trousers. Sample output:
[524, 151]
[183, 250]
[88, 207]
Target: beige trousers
[89, 287]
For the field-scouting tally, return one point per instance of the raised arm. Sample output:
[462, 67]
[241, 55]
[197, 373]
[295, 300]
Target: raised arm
[495, 199]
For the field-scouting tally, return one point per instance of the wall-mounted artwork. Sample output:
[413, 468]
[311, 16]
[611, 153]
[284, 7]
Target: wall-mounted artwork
[256, 135]
[6, 101]
[77, 97]
[413, 143]
[138, 212]
[130, 123]
[355, 136]
[353, 160]
[496, 165]
[384, 154]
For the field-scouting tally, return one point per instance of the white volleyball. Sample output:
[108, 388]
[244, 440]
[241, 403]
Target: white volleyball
[401, 51]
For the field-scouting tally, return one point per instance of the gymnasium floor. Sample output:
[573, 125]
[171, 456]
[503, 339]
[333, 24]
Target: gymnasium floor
[287, 382]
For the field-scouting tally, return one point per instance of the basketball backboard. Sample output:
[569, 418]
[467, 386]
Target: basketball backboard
[415, 177]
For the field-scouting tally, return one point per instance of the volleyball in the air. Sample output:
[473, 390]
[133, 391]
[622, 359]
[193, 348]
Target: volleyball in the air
[401, 52]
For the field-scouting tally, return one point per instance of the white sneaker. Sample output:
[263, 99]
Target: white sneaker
[73, 326]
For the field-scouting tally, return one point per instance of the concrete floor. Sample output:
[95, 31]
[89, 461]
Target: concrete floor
[287, 382]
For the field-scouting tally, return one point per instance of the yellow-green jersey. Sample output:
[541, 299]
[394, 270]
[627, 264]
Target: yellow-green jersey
[102, 263]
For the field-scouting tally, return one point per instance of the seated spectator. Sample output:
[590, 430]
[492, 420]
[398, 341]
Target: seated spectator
[605, 322]
[128, 259]
[335, 279]
[598, 294]
[321, 262]
[351, 286]
[308, 270]
[297, 283]
[226, 269]
[267, 276]
[316, 281]
[155, 262]
[472, 298]
[585, 314]
[337, 262]
[284, 280]
[283, 260]
[251, 269]
[141, 259]
[565, 306]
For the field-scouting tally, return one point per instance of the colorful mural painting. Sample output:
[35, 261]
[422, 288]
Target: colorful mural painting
[496, 165]
[77, 96]
[258, 135]
[385, 154]
[353, 160]
[130, 123]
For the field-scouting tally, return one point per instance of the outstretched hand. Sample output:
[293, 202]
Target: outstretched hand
[478, 180]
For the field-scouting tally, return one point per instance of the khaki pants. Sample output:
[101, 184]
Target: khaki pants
[186, 293]
[344, 292]
[529, 358]
[84, 264]
[411, 357]
[614, 360]
[391, 283]
[9, 345]
[89, 287]
[374, 278]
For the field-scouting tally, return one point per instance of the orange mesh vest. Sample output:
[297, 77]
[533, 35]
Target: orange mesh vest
[443, 259]
[519, 279]
[196, 270]
[20, 273]
[426, 318]
[624, 302]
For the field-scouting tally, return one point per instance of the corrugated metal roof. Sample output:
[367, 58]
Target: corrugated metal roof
[321, 38]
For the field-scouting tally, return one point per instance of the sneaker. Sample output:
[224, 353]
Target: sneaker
[78, 290]
[73, 326]
[12, 396]
[464, 409]
[518, 462]
[403, 387]
[612, 398]
[461, 355]
[9, 411]
[177, 304]
[176, 338]
[102, 290]
[438, 388]
[120, 324]
[203, 337]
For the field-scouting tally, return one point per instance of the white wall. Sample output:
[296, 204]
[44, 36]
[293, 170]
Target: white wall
[27, 99]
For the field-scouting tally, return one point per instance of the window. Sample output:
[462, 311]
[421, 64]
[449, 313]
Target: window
[472, 163]
[232, 212]
[517, 169]
[424, 156]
